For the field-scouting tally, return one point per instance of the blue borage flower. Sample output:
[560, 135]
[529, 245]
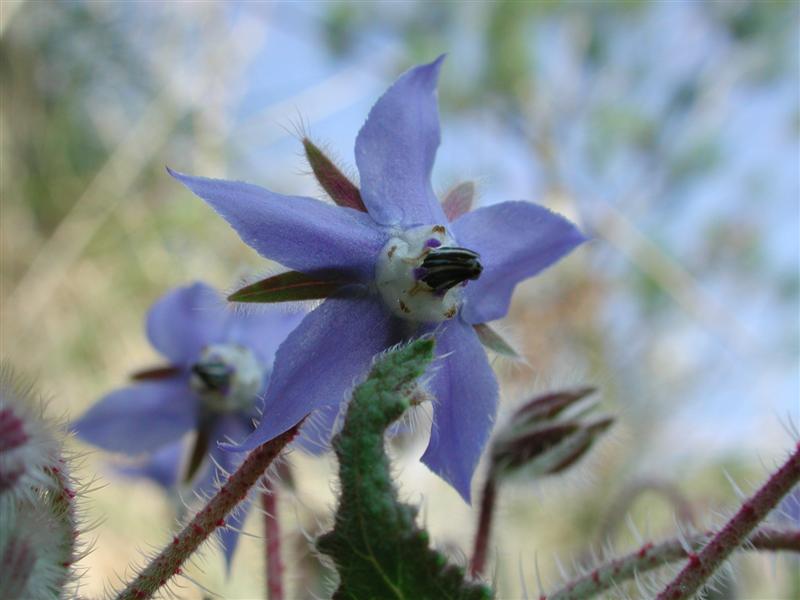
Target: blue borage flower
[219, 364]
[409, 271]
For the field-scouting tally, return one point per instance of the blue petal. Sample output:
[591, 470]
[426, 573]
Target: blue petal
[162, 467]
[395, 150]
[184, 320]
[236, 429]
[465, 403]
[301, 233]
[320, 360]
[516, 240]
[140, 418]
[262, 329]
[228, 428]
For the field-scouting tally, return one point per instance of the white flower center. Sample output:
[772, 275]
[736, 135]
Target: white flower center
[228, 378]
[421, 274]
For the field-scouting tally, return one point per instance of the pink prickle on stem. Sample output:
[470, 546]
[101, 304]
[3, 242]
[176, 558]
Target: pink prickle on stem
[703, 565]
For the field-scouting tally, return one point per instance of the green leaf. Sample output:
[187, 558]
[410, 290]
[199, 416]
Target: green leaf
[286, 287]
[375, 544]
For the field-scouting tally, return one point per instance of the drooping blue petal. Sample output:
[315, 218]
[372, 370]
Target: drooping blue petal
[262, 329]
[464, 405]
[301, 233]
[320, 360]
[140, 418]
[228, 428]
[395, 150]
[234, 428]
[162, 467]
[184, 320]
[515, 240]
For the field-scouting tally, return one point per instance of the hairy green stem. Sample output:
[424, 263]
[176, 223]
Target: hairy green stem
[702, 566]
[168, 563]
[652, 556]
[376, 545]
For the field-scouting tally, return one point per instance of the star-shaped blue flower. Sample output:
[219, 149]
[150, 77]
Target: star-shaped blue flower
[219, 364]
[410, 270]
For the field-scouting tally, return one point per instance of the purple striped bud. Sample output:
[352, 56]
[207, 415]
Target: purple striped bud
[548, 434]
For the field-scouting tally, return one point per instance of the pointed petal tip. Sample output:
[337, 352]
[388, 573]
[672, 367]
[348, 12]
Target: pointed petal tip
[437, 62]
[464, 490]
[429, 71]
[460, 482]
[173, 173]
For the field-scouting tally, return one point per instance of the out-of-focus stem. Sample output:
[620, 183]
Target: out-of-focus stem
[484, 532]
[702, 566]
[272, 532]
[652, 556]
[168, 563]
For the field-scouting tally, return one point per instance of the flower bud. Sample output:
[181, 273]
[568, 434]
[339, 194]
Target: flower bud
[37, 497]
[543, 437]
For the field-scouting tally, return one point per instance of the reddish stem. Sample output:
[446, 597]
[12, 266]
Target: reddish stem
[168, 563]
[701, 566]
[653, 556]
[272, 531]
[483, 535]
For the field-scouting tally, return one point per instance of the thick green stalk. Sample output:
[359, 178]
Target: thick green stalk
[378, 550]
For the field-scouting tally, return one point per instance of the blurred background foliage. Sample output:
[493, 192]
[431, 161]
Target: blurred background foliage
[668, 130]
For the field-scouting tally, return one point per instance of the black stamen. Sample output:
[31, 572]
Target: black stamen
[446, 267]
[215, 376]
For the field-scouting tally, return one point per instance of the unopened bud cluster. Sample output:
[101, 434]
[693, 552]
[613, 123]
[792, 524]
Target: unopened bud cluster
[548, 434]
[37, 498]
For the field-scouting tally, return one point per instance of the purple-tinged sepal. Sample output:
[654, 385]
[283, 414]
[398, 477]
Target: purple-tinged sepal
[495, 342]
[288, 287]
[458, 200]
[335, 183]
[156, 373]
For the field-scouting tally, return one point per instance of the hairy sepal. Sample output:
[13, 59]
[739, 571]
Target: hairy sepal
[287, 287]
[495, 342]
[341, 190]
[458, 200]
